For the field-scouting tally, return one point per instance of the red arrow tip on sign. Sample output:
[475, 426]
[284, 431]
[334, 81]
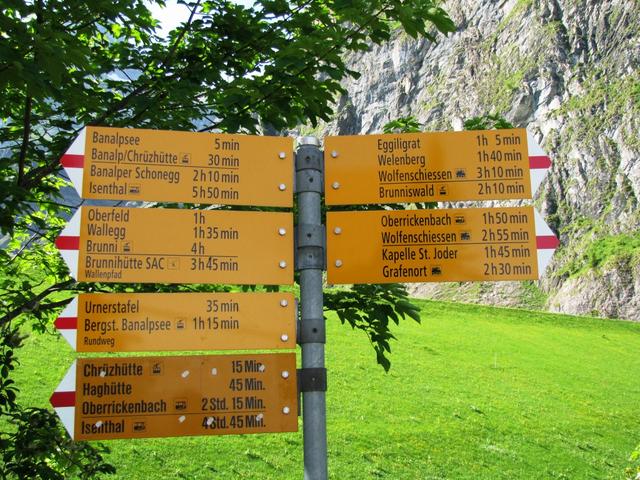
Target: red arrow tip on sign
[73, 161]
[67, 323]
[68, 243]
[546, 242]
[64, 242]
[539, 163]
[63, 399]
[68, 328]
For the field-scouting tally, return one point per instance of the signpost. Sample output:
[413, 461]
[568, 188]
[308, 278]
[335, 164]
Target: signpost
[444, 245]
[143, 397]
[168, 166]
[108, 244]
[108, 398]
[433, 167]
[135, 322]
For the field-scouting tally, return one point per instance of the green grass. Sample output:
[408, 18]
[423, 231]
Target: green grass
[612, 247]
[473, 393]
[602, 252]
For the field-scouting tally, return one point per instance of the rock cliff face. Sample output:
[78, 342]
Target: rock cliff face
[567, 70]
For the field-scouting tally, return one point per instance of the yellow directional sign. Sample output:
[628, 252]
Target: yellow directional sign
[179, 246]
[426, 167]
[169, 166]
[142, 397]
[134, 322]
[443, 245]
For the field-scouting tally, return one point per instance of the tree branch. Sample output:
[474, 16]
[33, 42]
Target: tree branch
[43, 307]
[26, 133]
[180, 37]
[139, 115]
[33, 303]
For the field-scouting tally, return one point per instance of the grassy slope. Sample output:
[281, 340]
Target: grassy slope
[474, 393]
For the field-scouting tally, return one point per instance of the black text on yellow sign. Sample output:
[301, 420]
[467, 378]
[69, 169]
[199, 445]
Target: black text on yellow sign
[170, 166]
[144, 397]
[427, 167]
[443, 245]
[185, 246]
[137, 322]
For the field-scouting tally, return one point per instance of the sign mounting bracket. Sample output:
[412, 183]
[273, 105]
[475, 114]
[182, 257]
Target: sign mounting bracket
[312, 379]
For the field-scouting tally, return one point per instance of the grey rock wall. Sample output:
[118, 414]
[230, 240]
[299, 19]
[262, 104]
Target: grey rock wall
[567, 70]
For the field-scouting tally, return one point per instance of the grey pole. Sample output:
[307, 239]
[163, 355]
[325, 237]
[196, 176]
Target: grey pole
[310, 259]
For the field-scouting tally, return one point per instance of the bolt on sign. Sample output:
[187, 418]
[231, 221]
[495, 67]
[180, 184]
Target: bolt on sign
[135, 322]
[433, 167]
[444, 245]
[145, 245]
[167, 166]
[143, 397]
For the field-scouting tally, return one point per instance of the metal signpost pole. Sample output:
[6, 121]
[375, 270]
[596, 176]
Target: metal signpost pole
[310, 262]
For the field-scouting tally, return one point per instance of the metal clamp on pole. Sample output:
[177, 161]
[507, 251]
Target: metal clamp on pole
[309, 156]
[311, 331]
[312, 379]
[309, 181]
[310, 241]
[311, 235]
[310, 262]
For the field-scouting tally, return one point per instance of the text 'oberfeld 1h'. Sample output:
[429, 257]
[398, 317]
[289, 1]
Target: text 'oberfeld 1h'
[166, 166]
[433, 167]
[147, 245]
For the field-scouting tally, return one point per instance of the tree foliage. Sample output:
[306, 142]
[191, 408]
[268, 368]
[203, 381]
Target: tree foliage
[371, 308]
[403, 125]
[65, 64]
[488, 121]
